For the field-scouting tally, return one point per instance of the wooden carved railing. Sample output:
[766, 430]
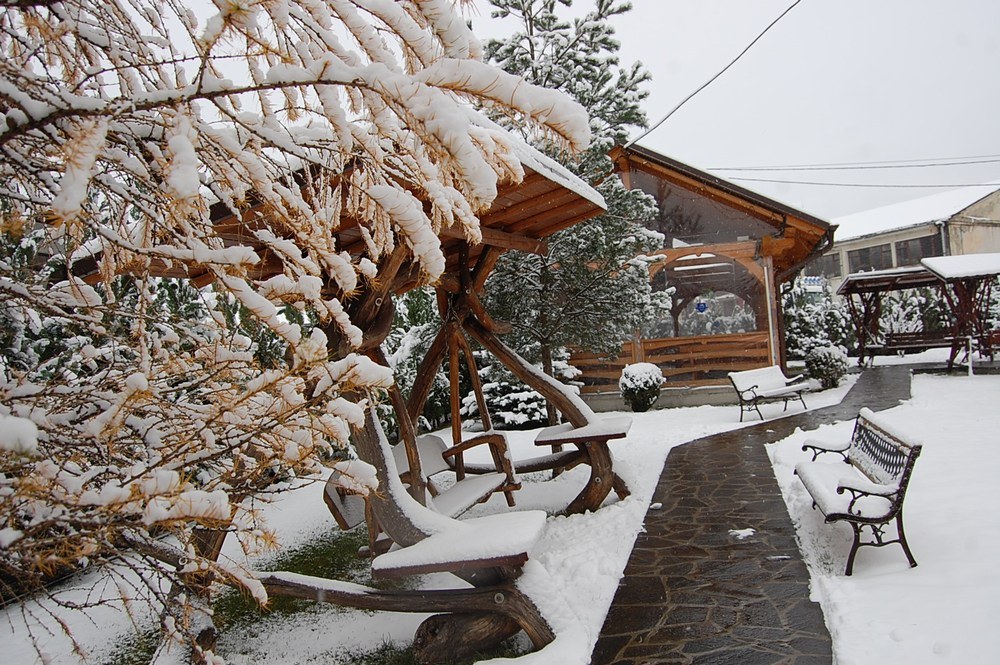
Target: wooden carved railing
[685, 361]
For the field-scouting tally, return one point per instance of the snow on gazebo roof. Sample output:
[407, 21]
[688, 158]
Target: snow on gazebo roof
[924, 210]
[890, 279]
[964, 266]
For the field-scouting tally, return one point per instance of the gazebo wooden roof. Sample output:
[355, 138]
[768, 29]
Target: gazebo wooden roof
[894, 279]
[797, 236]
[547, 200]
[965, 281]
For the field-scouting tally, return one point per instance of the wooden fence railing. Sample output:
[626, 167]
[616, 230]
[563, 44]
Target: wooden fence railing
[684, 361]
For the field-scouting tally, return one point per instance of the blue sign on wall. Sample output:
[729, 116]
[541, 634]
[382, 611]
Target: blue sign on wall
[701, 307]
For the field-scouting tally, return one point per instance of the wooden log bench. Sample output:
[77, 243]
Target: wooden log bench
[472, 617]
[488, 553]
[591, 443]
[474, 483]
[766, 384]
[869, 490]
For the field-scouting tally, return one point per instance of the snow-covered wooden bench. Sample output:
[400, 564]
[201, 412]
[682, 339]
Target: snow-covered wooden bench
[475, 481]
[350, 509]
[766, 384]
[487, 552]
[869, 490]
[591, 442]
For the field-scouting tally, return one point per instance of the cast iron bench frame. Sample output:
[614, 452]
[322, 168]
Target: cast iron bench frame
[880, 464]
[766, 384]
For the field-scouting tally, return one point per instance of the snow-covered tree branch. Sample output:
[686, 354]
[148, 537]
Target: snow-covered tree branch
[148, 151]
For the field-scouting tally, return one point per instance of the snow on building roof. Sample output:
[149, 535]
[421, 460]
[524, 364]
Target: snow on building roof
[923, 210]
[962, 266]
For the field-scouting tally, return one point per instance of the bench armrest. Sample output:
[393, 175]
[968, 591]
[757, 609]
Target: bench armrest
[863, 487]
[797, 377]
[498, 450]
[819, 447]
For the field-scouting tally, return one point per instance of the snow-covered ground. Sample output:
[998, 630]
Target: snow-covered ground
[945, 609]
[886, 613]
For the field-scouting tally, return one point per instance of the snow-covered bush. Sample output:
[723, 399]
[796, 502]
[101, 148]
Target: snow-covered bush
[826, 364]
[512, 405]
[915, 310]
[640, 385]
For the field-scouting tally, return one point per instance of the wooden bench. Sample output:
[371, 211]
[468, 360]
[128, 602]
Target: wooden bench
[914, 342]
[917, 341]
[591, 442]
[869, 491]
[486, 552]
[766, 384]
[351, 509]
[474, 482]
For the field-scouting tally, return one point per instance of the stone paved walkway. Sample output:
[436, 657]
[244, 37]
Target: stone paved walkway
[695, 593]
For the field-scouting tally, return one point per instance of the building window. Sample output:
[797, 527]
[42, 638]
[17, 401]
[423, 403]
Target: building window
[878, 257]
[909, 252]
[827, 265]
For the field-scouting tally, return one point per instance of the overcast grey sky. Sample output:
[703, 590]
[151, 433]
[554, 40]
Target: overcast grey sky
[845, 81]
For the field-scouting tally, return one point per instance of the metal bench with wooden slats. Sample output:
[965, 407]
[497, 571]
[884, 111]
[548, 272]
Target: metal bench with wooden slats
[869, 490]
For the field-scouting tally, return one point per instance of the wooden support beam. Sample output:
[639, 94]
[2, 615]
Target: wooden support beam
[477, 384]
[504, 240]
[426, 372]
[456, 397]
[407, 432]
[526, 372]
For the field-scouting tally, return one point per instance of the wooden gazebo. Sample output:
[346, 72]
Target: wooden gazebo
[965, 282]
[718, 238]
[548, 199]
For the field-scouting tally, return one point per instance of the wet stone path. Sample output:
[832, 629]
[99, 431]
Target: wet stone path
[717, 576]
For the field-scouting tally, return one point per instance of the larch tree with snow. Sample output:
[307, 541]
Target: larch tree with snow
[160, 371]
[592, 290]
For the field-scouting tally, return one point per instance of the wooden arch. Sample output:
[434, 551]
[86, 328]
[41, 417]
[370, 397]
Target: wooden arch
[694, 271]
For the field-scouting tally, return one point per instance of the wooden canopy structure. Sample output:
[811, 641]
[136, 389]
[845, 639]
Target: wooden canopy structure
[718, 238]
[965, 282]
[548, 199]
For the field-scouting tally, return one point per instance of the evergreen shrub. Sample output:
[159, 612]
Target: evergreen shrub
[826, 364]
[640, 385]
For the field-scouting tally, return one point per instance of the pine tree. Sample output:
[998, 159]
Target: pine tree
[592, 290]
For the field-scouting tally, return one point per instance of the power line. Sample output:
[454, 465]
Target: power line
[868, 184]
[858, 166]
[865, 163]
[717, 75]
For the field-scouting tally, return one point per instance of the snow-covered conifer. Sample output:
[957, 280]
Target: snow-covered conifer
[592, 289]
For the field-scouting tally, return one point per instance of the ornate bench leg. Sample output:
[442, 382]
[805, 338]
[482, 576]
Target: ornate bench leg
[854, 548]
[902, 539]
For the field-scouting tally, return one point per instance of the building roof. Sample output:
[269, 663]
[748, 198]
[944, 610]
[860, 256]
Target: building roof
[924, 210]
[963, 266]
